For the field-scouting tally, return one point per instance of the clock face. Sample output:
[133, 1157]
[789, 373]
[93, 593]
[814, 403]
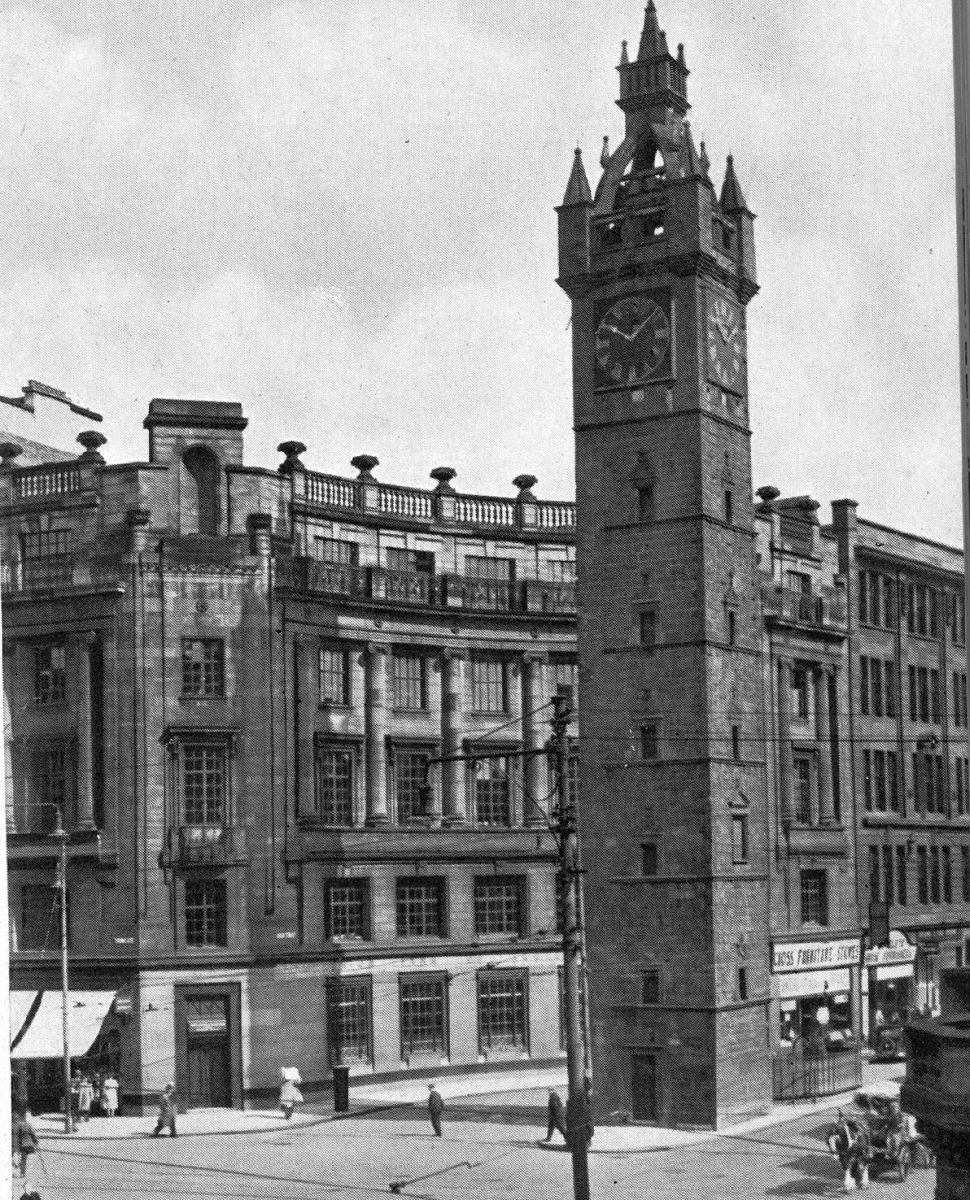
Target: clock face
[725, 353]
[632, 340]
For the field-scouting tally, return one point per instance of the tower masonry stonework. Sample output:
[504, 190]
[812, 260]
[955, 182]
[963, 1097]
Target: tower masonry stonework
[660, 268]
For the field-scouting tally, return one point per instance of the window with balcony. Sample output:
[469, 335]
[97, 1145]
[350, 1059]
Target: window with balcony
[492, 791]
[204, 783]
[498, 906]
[499, 570]
[420, 905]
[502, 1011]
[336, 550]
[410, 778]
[205, 912]
[424, 1029]
[50, 673]
[349, 1023]
[814, 897]
[40, 917]
[410, 562]
[335, 676]
[346, 910]
[410, 678]
[489, 685]
[203, 667]
[336, 782]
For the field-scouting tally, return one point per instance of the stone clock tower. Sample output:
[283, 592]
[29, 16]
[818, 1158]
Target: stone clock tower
[660, 268]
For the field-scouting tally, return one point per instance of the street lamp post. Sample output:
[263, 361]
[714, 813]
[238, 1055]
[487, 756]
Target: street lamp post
[61, 834]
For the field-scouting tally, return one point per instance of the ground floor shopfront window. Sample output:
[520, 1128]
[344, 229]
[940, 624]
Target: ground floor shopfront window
[816, 1024]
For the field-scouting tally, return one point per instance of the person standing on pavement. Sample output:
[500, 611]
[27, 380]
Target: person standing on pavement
[557, 1117]
[167, 1107]
[436, 1106]
[290, 1094]
[85, 1097]
[24, 1141]
[109, 1095]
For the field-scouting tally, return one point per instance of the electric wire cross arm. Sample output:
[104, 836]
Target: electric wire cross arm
[398, 1185]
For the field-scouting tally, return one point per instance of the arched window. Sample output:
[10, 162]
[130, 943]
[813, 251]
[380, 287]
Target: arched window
[200, 492]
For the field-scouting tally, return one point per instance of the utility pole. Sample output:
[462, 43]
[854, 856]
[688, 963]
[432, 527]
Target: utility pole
[61, 834]
[577, 1108]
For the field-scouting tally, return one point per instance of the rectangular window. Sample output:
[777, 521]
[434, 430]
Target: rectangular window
[410, 673]
[929, 784]
[565, 675]
[965, 872]
[423, 1027]
[40, 917]
[650, 986]
[336, 550]
[892, 776]
[959, 618]
[901, 874]
[499, 570]
[934, 875]
[922, 876]
[867, 778]
[420, 908]
[648, 741]
[742, 983]
[335, 677]
[739, 839]
[649, 859]
[729, 507]
[814, 897]
[889, 686]
[934, 613]
[203, 667]
[875, 671]
[803, 789]
[50, 673]
[732, 627]
[875, 599]
[349, 1020]
[205, 912]
[909, 591]
[498, 906]
[961, 794]
[346, 910]
[880, 780]
[863, 598]
[923, 687]
[50, 782]
[963, 696]
[489, 685]
[800, 692]
[645, 504]
[864, 685]
[888, 602]
[736, 742]
[947, 869]
[940, 786]
[875, 879]
[502, 1009]
[913, 702]
[410, 562]
[203, 783]
[45, 560]
[336, 767]
[888, 874]
[492, 792]
[410, 780]
[648, 627]
[935, 697]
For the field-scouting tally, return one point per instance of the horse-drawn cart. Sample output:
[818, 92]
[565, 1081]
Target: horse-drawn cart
[875, 1135]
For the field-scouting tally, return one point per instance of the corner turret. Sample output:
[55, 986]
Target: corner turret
[574, 214]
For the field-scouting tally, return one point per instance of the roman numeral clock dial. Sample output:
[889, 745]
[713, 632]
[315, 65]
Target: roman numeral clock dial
[725, 350]
[632, 341]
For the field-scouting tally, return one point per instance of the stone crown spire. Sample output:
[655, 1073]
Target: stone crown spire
[577, 189]
[656, 79]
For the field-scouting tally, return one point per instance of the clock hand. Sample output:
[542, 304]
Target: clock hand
[628, 337]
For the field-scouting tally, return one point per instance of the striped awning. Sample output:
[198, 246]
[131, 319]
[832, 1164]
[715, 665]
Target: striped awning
[36, 1022]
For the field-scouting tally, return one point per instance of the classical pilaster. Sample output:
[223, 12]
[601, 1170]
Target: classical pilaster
[823, 733]
[85, 776]
[308, 694]
[376, 733]
[452, 773]
[785, 759]
[533, 690]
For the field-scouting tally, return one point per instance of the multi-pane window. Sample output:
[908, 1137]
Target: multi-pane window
[803, 789]
[410, 562]
[565, 675]
[922, 610]
[498, 906]
[559, 570]
[877, 687]
[205, 912]
[335, 783]
[345, 902]
[410, 779]
[45, 558]
[880, 780]
[420, 908]
[489, 685]
[349, 1020]
[334, 676]
[814, 897]
[40, 917]
[335, 550]
[410, 676]
[877, 600]
[901, 874]
[500, 570]
[922, 876]
[203, 667]
[492, 794]
[50, 673]
[502, 1009]
[49, 784]
[204, 784]
[739, 838]
[423, 1023]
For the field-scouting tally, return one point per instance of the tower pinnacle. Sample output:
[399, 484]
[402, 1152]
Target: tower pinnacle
[577, 189]
[656, 80]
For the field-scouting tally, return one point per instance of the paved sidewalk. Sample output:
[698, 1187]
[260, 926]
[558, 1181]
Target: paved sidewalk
[195, 1123]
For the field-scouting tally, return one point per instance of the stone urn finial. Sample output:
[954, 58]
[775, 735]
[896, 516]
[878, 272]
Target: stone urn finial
[444, 476]
[291, 463]
[768, 495]
[92, 441]
[8, 452]
[365, 463]
[525, 484]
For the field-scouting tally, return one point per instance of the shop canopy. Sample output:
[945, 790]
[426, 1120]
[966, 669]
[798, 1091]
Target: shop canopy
[36, 1022]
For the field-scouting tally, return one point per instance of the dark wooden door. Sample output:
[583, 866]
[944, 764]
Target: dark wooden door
[207, 1061]
[646, 1105]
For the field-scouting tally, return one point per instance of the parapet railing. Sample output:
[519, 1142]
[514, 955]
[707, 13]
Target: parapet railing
[52, 479]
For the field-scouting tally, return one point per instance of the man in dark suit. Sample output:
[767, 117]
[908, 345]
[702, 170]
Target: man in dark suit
[557, 1117]
[436, 1107]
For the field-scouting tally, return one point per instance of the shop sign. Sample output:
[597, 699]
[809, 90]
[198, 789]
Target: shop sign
[211, 1024]
[901, 971]
[898, 951]
[807, 956]
[814, 983]
[123, 1004]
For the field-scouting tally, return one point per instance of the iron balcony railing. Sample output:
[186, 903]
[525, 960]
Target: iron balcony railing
[804, 609]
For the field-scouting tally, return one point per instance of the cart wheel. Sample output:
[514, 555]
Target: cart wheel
[903, 1163]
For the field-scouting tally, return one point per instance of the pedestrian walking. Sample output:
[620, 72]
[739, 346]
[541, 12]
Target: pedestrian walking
[23, 1142]
[85, 1097]
[290, 1094]
[557, 1116]
[167, 1108]
[109, 1095]
[436, 1106]
[75, 1095]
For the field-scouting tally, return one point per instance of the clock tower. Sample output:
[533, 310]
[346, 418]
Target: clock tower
[660, 267]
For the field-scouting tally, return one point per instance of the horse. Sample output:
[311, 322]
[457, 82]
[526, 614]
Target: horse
[849, 1141]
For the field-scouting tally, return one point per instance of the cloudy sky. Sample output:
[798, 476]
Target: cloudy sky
[341, 214]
